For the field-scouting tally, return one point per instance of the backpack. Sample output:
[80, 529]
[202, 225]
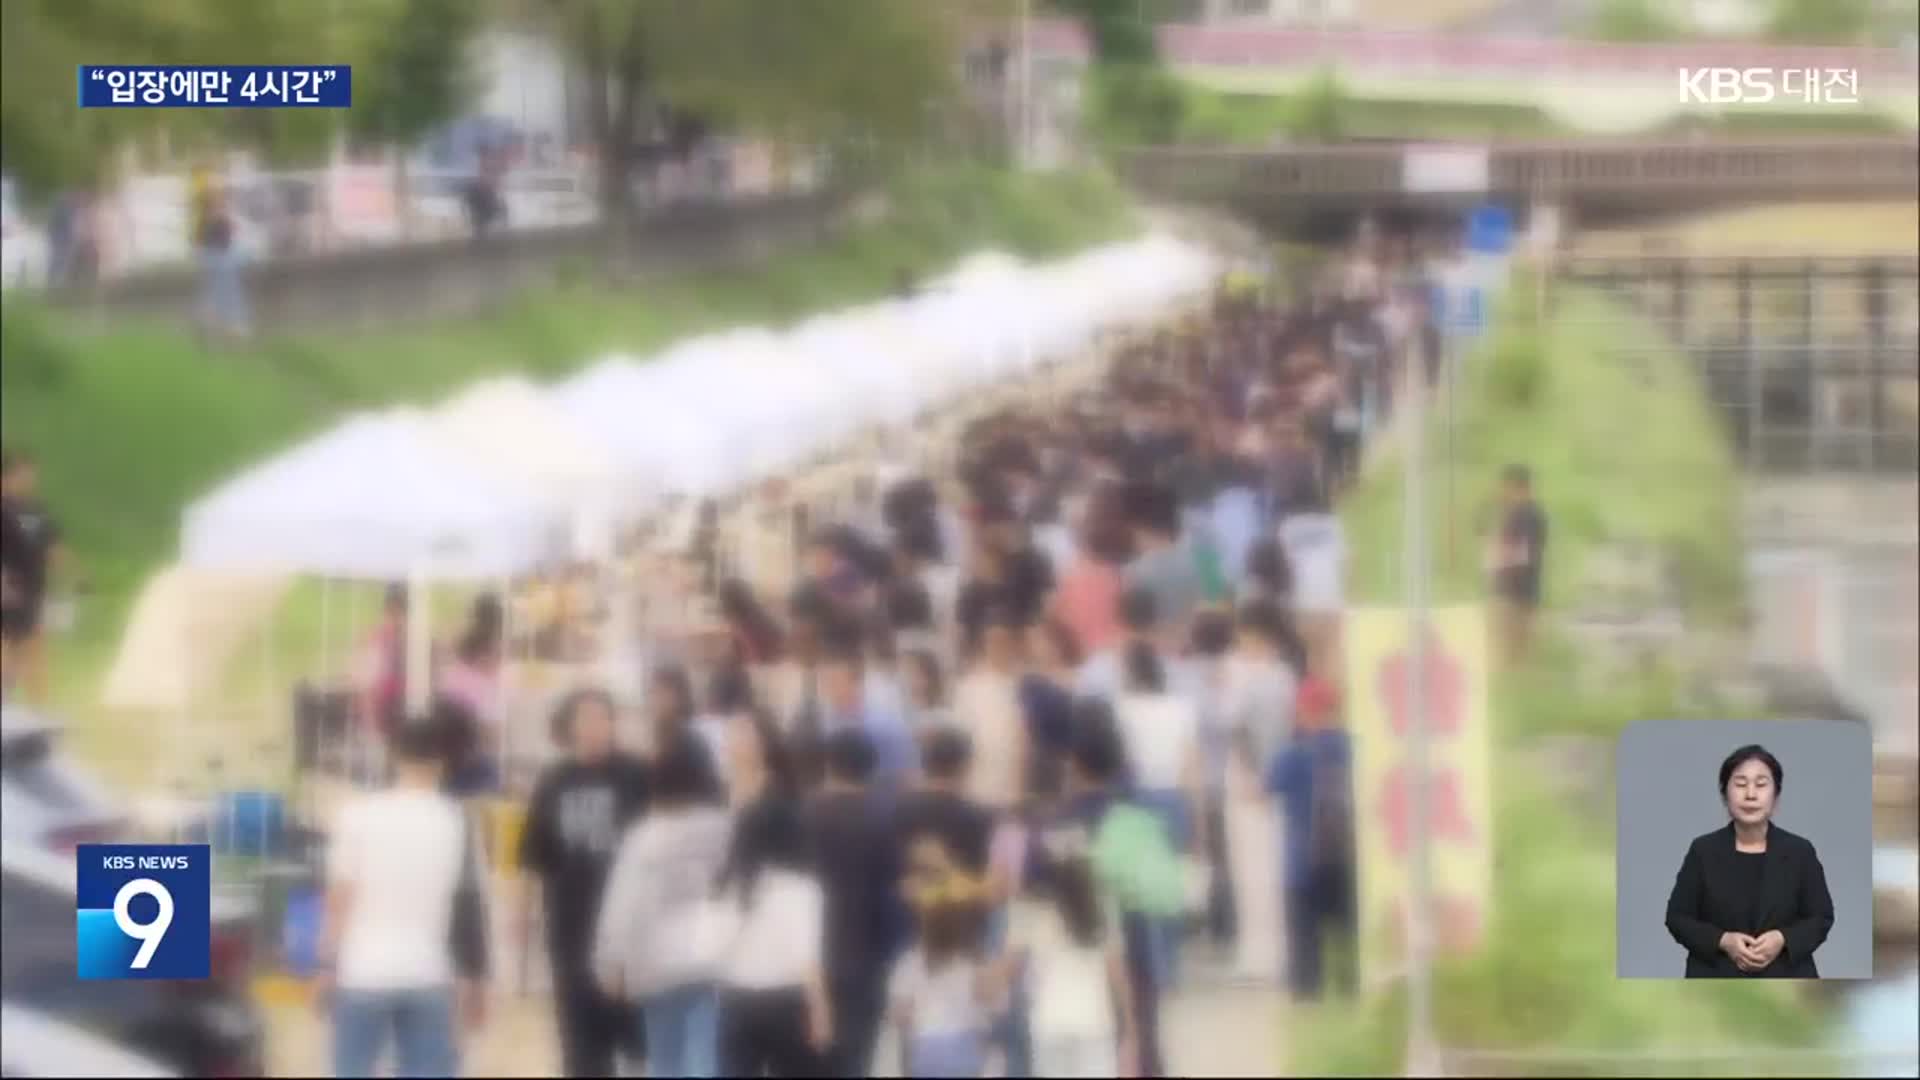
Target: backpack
[1208, 566]
[1136, 864]
[1330, 813]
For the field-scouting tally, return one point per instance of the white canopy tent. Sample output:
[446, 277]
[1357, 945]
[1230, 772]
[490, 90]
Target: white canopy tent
[662, 448]
[510, 428]
[985, 329]
[375, 498]
[749, 385]
[880, 370]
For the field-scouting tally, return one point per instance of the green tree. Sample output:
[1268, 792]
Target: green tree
[1132, 98]
[1121, 30]
[1136, 105]
[1319, 112]
[48, 143]
[1636, 21]
[46, 140]
[419, 73]
[847, 74]
[1823, 22]
[419, 76]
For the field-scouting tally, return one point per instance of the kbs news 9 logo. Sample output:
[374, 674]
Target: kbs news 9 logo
[143, 911]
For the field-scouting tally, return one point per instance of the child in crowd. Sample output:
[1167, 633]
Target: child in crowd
[940, 990]
[1065, 942]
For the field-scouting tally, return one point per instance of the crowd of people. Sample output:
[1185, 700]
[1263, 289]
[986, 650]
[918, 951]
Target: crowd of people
[1022, 744]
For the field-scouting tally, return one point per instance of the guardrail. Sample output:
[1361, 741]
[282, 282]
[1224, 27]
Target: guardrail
[1855, 166]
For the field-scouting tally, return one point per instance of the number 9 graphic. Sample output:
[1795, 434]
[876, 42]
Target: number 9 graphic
[147, 934]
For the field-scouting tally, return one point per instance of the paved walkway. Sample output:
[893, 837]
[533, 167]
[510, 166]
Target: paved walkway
[1211, 1030]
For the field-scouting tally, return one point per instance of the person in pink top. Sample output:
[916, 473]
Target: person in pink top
[381, 678]
[1087, 600]
[470, 679]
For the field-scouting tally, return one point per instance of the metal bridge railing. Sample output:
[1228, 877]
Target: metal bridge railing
[1811, 364]
[1540, 168]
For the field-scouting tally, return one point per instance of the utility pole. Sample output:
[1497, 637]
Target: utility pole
[1422, 1052]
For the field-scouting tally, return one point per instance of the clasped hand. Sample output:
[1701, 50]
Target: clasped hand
[1751, 953]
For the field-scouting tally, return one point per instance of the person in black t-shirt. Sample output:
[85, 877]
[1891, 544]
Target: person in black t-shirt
[29, 549]
[859, 865]
[939, 807]
[1517, 560]
[581, 807]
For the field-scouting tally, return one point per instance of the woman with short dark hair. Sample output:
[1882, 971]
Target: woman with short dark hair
[1751, 898]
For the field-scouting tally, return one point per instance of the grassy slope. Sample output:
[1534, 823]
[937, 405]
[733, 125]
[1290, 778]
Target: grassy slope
[1239, 119]
[1615, 456]
[132, 423]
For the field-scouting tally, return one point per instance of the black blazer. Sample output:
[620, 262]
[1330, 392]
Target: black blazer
[1710, 898]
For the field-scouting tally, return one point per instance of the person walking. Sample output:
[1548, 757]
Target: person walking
[846, 705]
[1065, 945]
[1517, 562]
[472, 681]
[987, 705]
[655, 944]
[223, 298]
[851, 828]
[776, 1012]
[939, 993]
[580, 807]
[1161, 732]
[1046, 695]
[1311, 778]
[30, 552]
[404, 939]
[1095, 789]
[1262, 689]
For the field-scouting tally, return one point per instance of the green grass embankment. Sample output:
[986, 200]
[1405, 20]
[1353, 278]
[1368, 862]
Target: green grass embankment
[1230, 118]
[132, 423]
[1619, 455]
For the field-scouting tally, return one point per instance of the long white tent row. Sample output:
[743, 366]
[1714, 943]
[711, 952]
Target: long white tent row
[507, 475]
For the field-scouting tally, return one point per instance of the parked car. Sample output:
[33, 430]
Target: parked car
[206, 1028]
[44, 797]
[35, 1044]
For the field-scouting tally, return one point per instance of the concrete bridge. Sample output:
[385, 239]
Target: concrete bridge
[1591, 178]
[1596, 87]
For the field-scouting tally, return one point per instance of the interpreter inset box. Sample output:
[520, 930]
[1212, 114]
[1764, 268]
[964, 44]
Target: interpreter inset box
[1745, 849]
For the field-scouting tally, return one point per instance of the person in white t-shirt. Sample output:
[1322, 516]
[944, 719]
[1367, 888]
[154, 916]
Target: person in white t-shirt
[404, 946]
[1161, 731]
[776, 1016]
[986, 704]
[653, 938]
[1065, 941]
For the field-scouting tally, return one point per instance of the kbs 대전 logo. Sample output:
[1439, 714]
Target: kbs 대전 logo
[143, 911]
[1762, 86]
